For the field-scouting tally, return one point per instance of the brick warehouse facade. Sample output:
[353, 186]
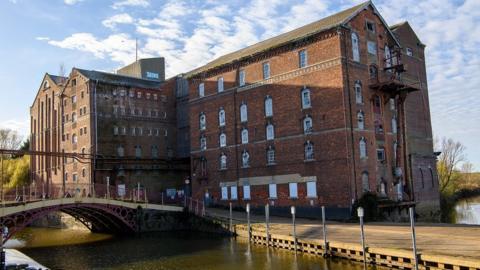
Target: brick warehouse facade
[316, 116]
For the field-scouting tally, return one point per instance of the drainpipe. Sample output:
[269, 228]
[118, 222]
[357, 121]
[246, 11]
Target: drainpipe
[352, 137]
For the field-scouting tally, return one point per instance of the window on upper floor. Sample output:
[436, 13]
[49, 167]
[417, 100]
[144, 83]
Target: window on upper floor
[131, 93]
[302, 58]
[268, 106]
[395, 149]
[220, 84]
[394, 125]
[293, 190]
[380, 154]
[201, 89]
[409, 51]
[365, 182]
[203, 143]
[270, 132]
[270, 155]
[370, 26]
[202, 121]
[74, 117]
[138, 151]
[244, 136]
[377, 104]
[115, 130]
[266, 70]
[363, 147]
[241, 77]
[147, 95]
[388, 57]
[139, 94]
[221, 117]
[74, 139]
[392, 104]
[243, 113]
[224, 193]
[307, 124]
[154, 151]
[155, 96]
[245, 159]
[223, 161]
[74, 99]
[355, 47]
[372, 47]
[223, 140]
[306, 99]
[246, 192]
[309, 151]
[358, 92]
[272, 191]
[361, 120]
[311, 189]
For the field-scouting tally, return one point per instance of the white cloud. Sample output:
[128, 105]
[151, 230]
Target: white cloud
[112, 22]
[72, 2]
[20, 126]
[130, 3]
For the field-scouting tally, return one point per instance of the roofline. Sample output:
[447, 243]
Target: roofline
[40, 88]
[397, 25]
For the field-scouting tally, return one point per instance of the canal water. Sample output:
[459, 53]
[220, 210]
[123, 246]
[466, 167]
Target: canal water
[468, 211]
[66, 249]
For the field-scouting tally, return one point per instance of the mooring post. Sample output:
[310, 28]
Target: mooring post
[414, 241]
[267, 223]
[292, 211]
[360, 213]
[324, 226]
[230, 218]
[108, 188]
[248, 223]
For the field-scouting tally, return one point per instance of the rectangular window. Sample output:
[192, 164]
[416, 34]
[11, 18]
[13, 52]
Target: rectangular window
[380, 154]
[266, 70]
[392, 104]
[74, 99]
[302, 58]
[311, 189]
[233, 193]
[272, 191]
[74, 177]
[155, 96]
[139, 94]
[372, 47]
[201, 90]
[293, 189]
[241, 78]
[115, 130]
[220, 84]
[246, 192]
[224, 193]
[370, 26]
[409, 51]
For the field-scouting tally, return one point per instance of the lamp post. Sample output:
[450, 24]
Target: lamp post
[292, 211]
[248, 223]
[360, 213]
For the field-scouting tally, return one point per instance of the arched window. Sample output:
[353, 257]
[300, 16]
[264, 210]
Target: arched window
[306, 101]
[74, 117]
[221, 117]
[84, 172]
[245, 159]
[244, 136]
[373, 72]
[203, 143]
[270, 132]
[223, 161]
[388, 57]
[355, 49]
[223, 140]
[383, 188]
[360, 120]
[202, 121]
[394, 125]
[309, 151]
[363, 147]
[138, 151]
[154, 151]
[268, 106]
[365, 182]
[307, 124]
[358, 92]
[270, 155]
[120, 151]
[74, 139]
[243, 113]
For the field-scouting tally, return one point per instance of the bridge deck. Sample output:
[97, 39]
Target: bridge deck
[9, 210]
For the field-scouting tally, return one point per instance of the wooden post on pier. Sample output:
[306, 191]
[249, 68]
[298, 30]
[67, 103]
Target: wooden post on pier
[292, 211]
[267, 223]
[248, 223]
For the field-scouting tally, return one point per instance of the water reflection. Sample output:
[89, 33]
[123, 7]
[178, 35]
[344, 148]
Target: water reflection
[186, 251]
[468, 211]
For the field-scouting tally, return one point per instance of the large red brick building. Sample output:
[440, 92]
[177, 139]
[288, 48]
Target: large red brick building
[316, 116]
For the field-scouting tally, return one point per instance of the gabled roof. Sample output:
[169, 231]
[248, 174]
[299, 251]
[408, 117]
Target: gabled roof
[118, 79]
[339, 19]
[57, 80]
[404, 24]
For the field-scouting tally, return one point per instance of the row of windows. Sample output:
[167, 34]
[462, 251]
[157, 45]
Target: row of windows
[311, 188]
[138, 131]
[378, 125]
[138, 112]
[83, 131]
[302, 62]
[138, 151]
[268, 107]
[269, 154]
[133, 94]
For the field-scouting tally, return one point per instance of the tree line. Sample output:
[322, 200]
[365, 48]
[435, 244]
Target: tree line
[14, 170]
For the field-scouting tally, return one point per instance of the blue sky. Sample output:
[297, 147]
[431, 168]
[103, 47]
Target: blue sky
[37, 36]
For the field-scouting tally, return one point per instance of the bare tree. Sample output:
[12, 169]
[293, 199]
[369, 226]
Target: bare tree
[467, 174]
[9, 139]
[453, 153]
